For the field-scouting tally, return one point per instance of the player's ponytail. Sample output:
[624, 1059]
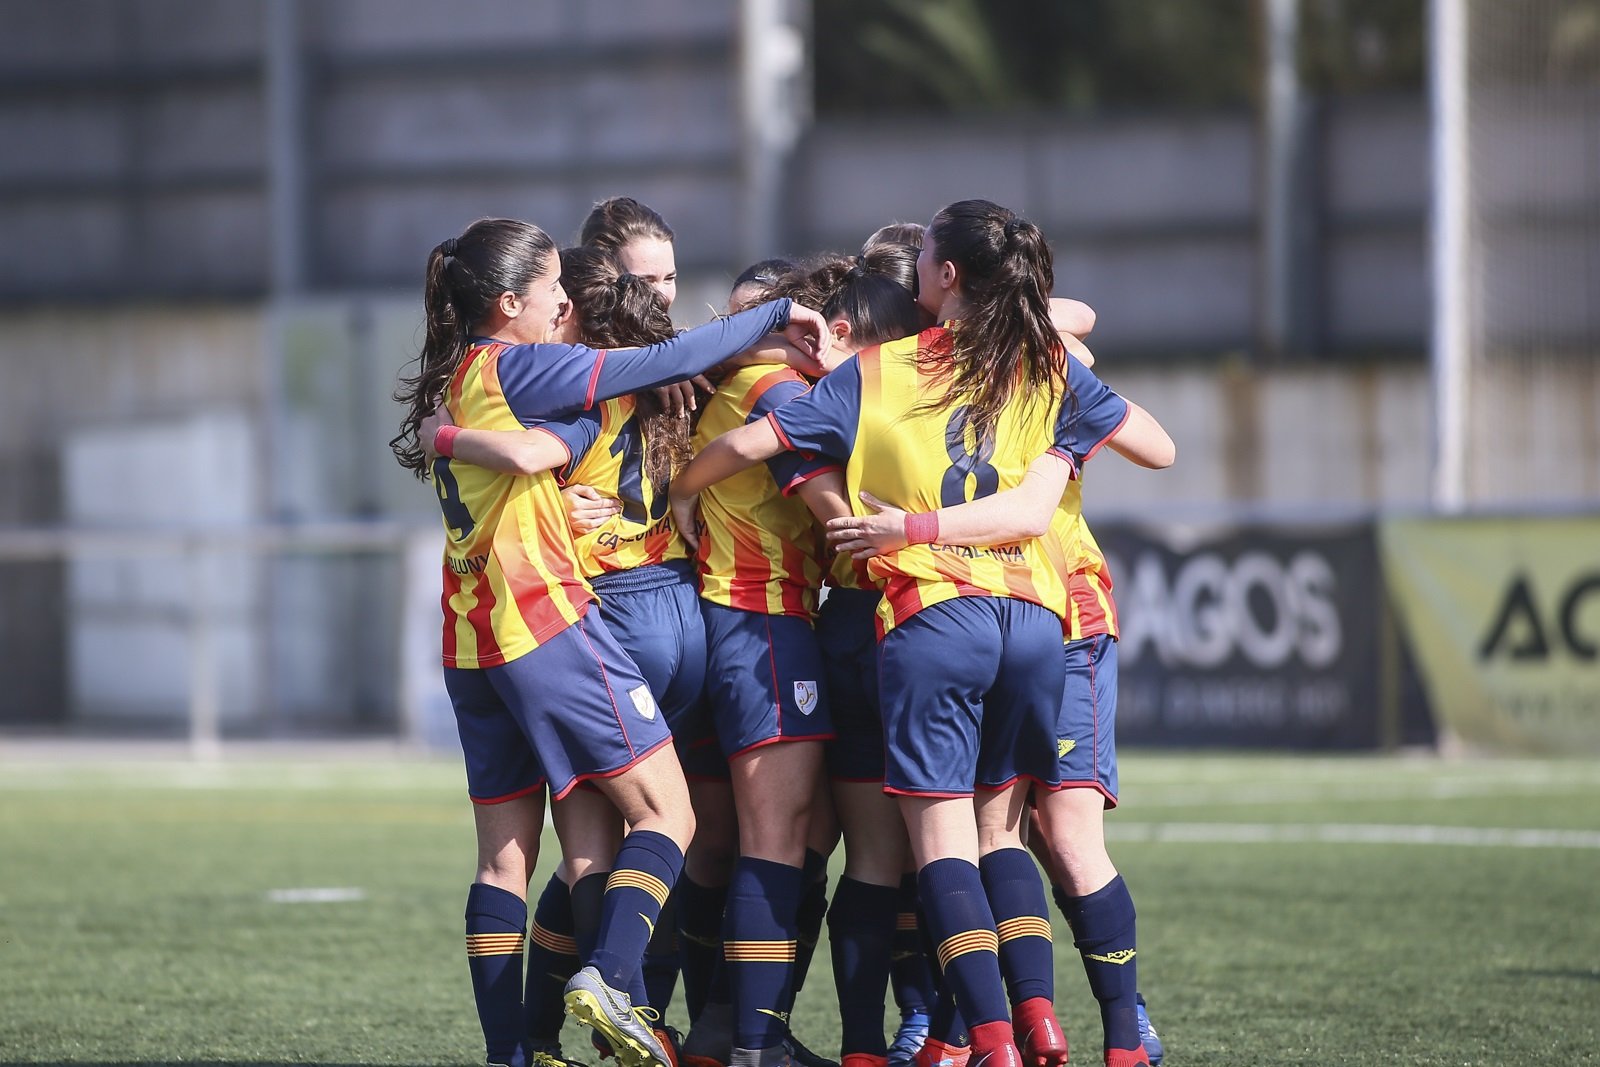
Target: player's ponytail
[1005, 341]
[465, 276]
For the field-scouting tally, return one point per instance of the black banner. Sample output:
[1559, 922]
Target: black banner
[1254, 638]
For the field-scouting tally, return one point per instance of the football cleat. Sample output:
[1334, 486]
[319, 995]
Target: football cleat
[801, 1056]
[548, 1056]
[1148, 1036]
[611, 1014]
[1039, 1034]
[908, 1039]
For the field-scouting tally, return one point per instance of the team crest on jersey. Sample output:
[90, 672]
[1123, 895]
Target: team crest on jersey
[1064, 745]
[643, 702]
[805, 697]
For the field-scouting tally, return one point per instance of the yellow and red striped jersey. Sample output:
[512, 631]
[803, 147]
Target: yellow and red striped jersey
[760, 549]
[606, 448]
[874, 410]
[1090, 607]
[1090, 418]
[512, 578]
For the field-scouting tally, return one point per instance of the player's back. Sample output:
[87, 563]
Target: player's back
[920, 455]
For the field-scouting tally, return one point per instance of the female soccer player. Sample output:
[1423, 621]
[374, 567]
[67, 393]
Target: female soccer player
[969, 670]
[535, 682]
[1091, 894]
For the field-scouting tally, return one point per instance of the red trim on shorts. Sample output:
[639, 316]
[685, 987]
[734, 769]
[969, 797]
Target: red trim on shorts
[509, 796]
[929, 795]
[594, 380]
[594, 775]
[780, 739]
[1111, 800]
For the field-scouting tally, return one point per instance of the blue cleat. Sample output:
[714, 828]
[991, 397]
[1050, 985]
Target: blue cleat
[1148, 1036]
[908, 1040]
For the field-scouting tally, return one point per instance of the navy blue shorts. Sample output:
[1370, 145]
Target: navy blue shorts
[971, 690]
[764, 679]
[1086, 742]
[847, 635]
[654, 613]
[574, 708]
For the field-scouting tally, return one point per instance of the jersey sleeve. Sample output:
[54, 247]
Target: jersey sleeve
[579, 433]
[789, 469]
[547, 381]
[1090, 416]
[823, 420]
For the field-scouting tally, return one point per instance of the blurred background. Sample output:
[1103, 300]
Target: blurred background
[1347, 251]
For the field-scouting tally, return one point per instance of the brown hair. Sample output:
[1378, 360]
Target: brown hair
[874, 292]
[1005, 342]
[616, 221]
[465, 276]
[616, 309]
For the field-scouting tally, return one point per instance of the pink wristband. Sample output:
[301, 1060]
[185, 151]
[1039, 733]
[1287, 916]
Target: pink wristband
[444, 441]
[922, 527]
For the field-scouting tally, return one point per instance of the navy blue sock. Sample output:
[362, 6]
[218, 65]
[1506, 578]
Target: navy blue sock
[495, 923]
[1103, 933]
[552, 960]
[808, 919]
[860, 931]
[661, 959]
[588, 896]
[758, 943]
[1022, 922]
[700, 910]
[909, 973]
[944, 1021]
[962, 926]
[647, 865]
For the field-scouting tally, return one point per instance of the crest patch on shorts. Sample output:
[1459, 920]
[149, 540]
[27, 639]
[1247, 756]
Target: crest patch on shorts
[805, 697]
[643, 702]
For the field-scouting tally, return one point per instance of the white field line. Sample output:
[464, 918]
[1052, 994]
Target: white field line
[315, 896]
[1146, 795]
[1351, 834]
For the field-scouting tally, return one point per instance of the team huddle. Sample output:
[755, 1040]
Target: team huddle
[815, 570]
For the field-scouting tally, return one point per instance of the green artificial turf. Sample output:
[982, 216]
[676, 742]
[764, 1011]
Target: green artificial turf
[137, 923]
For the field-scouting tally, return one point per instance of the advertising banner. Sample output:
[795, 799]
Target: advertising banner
[1503, 615]
[1259, 637]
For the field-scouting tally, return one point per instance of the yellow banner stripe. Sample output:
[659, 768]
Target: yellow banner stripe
[906, 920]
[969, 941]
[560, 944]
[628, 879]
[1024, 926]
[758, 951]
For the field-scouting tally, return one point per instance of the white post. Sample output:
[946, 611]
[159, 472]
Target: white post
[1281, 150]
[205, 700]
[771, 110]
[1451, 249]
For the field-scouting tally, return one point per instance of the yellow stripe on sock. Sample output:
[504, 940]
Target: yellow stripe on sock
[494, 944]
[1024, 926]
[758, 951]
[560, 944]
[631, 879]
[968, 941]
